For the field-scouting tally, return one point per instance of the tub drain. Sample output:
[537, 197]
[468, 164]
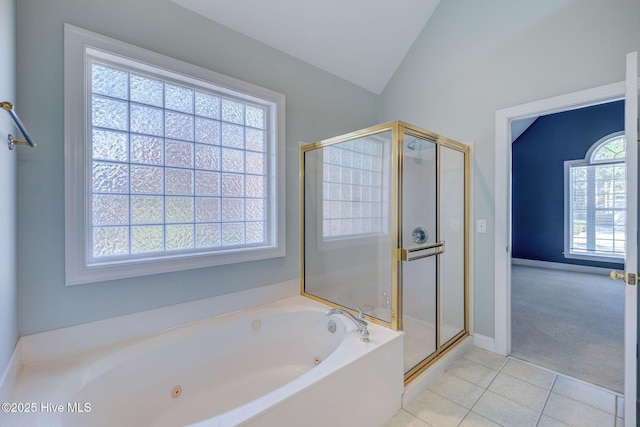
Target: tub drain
[317, 360]
[175, 391]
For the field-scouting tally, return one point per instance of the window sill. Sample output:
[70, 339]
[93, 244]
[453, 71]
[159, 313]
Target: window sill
[596, 258]
[78, 273]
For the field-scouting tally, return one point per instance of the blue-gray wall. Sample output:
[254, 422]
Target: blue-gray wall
[472, 59]
[8, 200]
[538, 192]
[477, 57]
[319, 105]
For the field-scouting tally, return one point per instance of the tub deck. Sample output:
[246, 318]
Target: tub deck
[355, 383]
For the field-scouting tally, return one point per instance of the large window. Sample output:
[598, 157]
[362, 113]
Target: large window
[180, 165]
[596, 214]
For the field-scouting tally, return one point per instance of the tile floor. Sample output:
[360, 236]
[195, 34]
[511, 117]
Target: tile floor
[486, 389]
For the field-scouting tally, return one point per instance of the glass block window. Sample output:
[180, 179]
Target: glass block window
[597, 201]
[352, 189]
[183, 167]
[174, 167]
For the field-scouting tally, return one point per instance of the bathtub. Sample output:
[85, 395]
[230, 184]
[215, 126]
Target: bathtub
[274, 365]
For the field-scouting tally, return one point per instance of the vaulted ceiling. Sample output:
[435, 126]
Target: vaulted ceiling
[362, 41]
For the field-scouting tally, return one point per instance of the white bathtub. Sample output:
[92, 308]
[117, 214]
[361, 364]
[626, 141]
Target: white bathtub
[276, 365]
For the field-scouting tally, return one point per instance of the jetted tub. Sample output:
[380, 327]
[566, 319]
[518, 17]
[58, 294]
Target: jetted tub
[275, 365]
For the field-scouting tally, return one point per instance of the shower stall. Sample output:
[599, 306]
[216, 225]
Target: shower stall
[385, 223]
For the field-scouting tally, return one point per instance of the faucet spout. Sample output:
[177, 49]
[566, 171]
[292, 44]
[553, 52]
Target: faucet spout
[359, 321]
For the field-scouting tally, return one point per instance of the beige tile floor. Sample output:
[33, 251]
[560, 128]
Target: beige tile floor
[486, 389]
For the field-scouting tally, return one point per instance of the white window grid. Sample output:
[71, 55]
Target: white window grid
[597, 203]
[192, 176]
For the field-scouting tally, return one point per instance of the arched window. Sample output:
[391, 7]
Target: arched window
[595, 208]
[611, 150]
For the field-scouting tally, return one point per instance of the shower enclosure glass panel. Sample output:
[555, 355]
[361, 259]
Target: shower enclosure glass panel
[384, 229]
[348, 224]
[452, 232]
[418, 232]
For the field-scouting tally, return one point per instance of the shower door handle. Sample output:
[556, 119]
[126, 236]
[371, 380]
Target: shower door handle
[417, 252]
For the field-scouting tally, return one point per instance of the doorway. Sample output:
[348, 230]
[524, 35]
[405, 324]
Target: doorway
[627, 90]
[567, 233]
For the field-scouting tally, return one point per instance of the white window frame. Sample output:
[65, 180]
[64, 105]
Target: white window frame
[77, 108]
[567, 203]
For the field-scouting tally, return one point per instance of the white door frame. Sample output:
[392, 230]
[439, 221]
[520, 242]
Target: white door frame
[631, 255]
[502, 255]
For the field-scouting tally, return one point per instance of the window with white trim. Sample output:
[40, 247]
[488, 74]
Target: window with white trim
[181, 166]
[596, 215]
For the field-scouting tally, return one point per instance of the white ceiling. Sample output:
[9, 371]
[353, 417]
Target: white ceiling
[362, 41]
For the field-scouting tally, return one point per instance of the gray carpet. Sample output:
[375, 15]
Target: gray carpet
[572, 323]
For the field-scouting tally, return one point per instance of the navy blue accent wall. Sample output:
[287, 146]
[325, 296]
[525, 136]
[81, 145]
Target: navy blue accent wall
[538, 157]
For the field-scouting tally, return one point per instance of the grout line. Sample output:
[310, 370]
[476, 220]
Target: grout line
[416, 417]
[485, 389]
[617, 414]
[526, 362]
[557, 376]
[494, 378]
[504, 362]
[451, 400]
[465, 416]
[469, 410]
[546, 400]
[541, 411]
[615, 395]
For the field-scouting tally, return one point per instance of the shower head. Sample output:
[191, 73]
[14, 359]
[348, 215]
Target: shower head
[412, 146]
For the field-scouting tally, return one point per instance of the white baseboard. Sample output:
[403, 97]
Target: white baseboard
[65, 341]
[560, 266]
[10, 376]
[428, 377]
[484, 342]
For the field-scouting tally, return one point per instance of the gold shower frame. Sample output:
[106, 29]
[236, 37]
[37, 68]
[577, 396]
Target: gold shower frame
[398, 130]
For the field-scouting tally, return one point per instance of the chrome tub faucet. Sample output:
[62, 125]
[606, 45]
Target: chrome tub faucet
[359, 321]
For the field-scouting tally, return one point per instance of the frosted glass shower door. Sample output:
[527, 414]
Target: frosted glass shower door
[452, 231]
[348, 224]
[419, 239]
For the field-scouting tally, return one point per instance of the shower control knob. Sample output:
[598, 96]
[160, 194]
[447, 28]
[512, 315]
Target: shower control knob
[419, 235]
